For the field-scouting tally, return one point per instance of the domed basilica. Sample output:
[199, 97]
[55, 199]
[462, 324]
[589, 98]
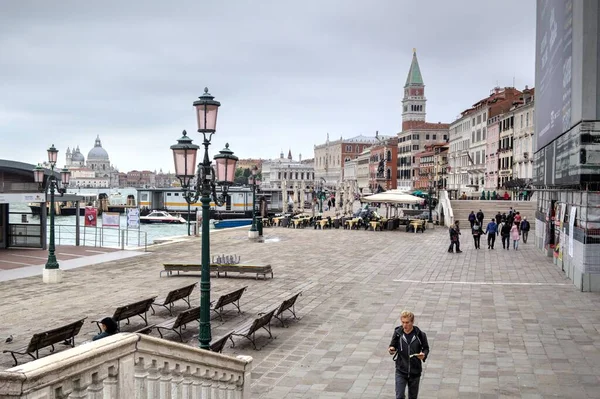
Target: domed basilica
[97, 172]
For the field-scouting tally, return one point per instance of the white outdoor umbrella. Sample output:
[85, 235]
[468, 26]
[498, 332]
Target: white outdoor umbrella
[393, 198]
[338, 198]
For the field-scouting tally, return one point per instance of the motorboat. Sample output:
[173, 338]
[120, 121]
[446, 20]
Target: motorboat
[161, 217]
[227, 223]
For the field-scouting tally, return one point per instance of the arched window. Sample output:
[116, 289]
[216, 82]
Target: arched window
[389, 156]
[388, 174]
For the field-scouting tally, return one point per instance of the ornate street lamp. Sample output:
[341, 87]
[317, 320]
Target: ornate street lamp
[253, 233]
[430, 202]
[206, 180]
[52, 273]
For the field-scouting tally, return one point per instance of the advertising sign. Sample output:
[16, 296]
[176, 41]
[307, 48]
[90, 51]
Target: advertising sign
[133, 218]
[553, 77]
[91, 216]
[111, 219]
[572, 217]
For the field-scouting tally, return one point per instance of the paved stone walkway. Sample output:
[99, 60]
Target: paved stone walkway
[501, 324]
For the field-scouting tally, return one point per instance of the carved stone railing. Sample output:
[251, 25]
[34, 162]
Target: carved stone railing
[130, 366]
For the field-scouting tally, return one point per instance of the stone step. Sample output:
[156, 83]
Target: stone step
[462, 209]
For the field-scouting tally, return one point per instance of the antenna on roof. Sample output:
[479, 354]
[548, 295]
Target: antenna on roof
[513, 81]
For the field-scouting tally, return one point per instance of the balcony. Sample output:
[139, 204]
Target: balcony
[130, 366]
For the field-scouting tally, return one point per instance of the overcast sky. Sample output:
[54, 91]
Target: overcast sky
[286, 72]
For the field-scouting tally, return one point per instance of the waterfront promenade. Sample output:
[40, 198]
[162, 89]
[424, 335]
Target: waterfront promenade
[501, 324]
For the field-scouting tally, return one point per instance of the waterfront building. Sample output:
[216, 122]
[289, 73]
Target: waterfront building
[362, 171]
[431, 165]
[416, 131]
[97, 172]
[383, 164]
[330, 158]
[492, 153]
[275, 171]
[249, 163]
[524, 138]
[468, 140]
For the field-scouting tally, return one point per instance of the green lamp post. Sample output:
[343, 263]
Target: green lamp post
[253, 180]
[52, 272]
[207, 178]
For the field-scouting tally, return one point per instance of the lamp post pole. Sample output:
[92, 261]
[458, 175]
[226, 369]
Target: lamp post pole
[253, 233]
[52, 272]
[207, 178]
[430, 201]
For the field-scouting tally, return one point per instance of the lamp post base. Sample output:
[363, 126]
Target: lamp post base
[253, 234]
[52, 276]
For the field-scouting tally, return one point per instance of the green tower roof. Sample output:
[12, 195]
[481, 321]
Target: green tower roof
[414, 73]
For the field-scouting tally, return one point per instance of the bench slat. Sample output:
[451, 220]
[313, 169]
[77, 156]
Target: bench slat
[248, 330]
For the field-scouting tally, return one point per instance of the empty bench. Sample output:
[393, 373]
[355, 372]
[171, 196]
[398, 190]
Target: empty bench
[182, 293]
[249, 329]
[231, 298]
[139, 308]
[289, 305]
[218, 268]
[218, 344]
[65, 334]
[180, 322]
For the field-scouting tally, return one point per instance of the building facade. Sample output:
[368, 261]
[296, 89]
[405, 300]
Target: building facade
[275, 171]
[383, 168]
[330, 157]
[524, 137]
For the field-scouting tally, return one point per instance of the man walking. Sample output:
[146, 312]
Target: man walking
[480, 217]
[491, 230]
[410, 348]
[525, 227]
[472, 218]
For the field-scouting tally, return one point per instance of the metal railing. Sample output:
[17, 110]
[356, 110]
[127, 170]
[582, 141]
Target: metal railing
[109, 237]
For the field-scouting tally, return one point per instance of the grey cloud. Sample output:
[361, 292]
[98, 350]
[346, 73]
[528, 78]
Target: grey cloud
[286, 72]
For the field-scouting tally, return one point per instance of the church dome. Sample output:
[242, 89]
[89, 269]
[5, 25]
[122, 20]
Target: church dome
[77, 157]
[97, 153]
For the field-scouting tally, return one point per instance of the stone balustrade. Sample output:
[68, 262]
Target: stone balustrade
[130, 366]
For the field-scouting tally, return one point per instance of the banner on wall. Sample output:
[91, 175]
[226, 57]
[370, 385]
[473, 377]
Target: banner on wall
[572, 228]
[91, 216]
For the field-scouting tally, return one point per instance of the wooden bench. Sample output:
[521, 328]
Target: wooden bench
[139, 308]
[231, 298]
[248, 330]
[182, 293]
[288, 304]
[245, 268]
[178, 323]
[65, 334]
[218, 268]
[218, 344]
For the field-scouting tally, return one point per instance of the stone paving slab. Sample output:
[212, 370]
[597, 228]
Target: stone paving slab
[501, 324]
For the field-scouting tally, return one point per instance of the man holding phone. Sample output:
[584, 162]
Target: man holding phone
[410, 348]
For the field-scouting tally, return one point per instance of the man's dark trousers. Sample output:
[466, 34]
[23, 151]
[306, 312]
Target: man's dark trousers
[491, 240]
[525, 235]
[402, 381]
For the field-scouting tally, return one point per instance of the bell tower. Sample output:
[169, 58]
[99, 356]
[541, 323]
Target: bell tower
[413, 103]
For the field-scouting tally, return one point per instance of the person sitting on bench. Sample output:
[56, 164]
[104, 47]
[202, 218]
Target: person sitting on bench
[108, 326]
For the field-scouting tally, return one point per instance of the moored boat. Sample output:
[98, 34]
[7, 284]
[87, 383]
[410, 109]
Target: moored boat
[226, 223]
[161, 217]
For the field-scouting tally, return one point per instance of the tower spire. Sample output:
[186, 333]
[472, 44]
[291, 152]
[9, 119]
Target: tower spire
[414, 77]
[413, 103]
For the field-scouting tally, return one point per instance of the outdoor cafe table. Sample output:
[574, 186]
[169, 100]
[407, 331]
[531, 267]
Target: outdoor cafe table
[351, 222]
[323, 223]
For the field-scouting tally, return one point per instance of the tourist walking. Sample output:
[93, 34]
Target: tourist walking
[480, 217]
[410, 349]
[472, 218]
[476, 231]
[517, 220]
[454, 231]
[525, 227]
[498, 218]
[514, 235]
[505, 234]
[492, 231]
